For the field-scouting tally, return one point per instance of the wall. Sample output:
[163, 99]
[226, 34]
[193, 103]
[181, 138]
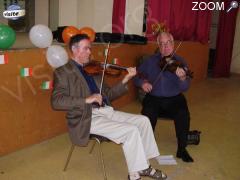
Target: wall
[86, 13]
[2, 19]
[96, 14]
[235, 65]
[53, 14]
[68, 12]
[41, 12]
[26, 115]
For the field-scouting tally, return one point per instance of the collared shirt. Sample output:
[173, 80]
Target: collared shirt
[168, 84]
[90, 82]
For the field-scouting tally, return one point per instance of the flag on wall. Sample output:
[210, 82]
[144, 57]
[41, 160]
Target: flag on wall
[3, 59]
[47, 85]
[115, 61]
[25, 72]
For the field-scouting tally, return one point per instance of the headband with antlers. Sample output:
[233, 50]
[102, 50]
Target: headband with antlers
[158, 28]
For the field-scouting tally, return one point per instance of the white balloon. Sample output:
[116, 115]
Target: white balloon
[41, 36]
[56, 56]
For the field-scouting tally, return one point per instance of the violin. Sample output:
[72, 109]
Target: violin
[96, 67]
[169, 63]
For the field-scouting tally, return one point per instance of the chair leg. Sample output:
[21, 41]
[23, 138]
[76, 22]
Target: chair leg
[69, 157]
[102, 161]
[96, 140]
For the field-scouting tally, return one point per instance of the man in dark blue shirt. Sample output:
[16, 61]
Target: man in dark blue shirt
[164, 92]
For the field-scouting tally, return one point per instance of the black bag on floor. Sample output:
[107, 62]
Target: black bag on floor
[193, 137]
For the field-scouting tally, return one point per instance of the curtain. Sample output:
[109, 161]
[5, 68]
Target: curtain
[183, 22]
[225, 39]
[118, 16]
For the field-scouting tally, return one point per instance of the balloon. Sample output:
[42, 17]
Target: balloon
[88, 31]
[56, 56]
[68, 32]
[41, 36]
[7, 36]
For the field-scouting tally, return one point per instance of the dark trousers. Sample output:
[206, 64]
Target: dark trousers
[169, 107]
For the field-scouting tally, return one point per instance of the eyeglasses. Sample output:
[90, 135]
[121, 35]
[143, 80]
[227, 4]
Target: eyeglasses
[76, 46]
[84, 47]
[164, 44]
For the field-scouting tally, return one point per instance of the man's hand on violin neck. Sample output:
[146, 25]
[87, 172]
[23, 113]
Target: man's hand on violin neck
[181, 73]
[94, 98]
[131, 73]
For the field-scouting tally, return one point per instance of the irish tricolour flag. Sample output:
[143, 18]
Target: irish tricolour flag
[25, 72]
[116, 61]
[3, 58]
[47, 85]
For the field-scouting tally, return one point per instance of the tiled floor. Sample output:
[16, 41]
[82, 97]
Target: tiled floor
[214, 105]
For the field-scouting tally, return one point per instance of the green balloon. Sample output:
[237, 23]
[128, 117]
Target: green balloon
[7, 36]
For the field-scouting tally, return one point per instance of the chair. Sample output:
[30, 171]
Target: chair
[97, 138]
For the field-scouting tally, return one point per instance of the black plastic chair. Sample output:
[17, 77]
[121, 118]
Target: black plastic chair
[96, 138]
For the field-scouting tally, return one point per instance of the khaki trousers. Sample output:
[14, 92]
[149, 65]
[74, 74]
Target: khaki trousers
[133, 131]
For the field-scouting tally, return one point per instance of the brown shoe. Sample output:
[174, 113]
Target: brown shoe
[153, 173]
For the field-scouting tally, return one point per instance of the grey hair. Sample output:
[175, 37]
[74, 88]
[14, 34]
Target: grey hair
[165, 33]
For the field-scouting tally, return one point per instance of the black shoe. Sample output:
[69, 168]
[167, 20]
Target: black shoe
[183, 154]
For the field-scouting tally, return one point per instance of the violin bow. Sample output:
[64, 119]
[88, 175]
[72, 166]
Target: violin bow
[104, 66]
[165, 66]
[176, 49]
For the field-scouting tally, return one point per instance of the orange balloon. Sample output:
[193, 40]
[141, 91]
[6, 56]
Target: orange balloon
[68, 32]
[88, 31]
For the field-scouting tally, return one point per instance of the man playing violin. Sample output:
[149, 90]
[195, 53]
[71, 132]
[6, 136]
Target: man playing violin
[164, 89]
[78, 93]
